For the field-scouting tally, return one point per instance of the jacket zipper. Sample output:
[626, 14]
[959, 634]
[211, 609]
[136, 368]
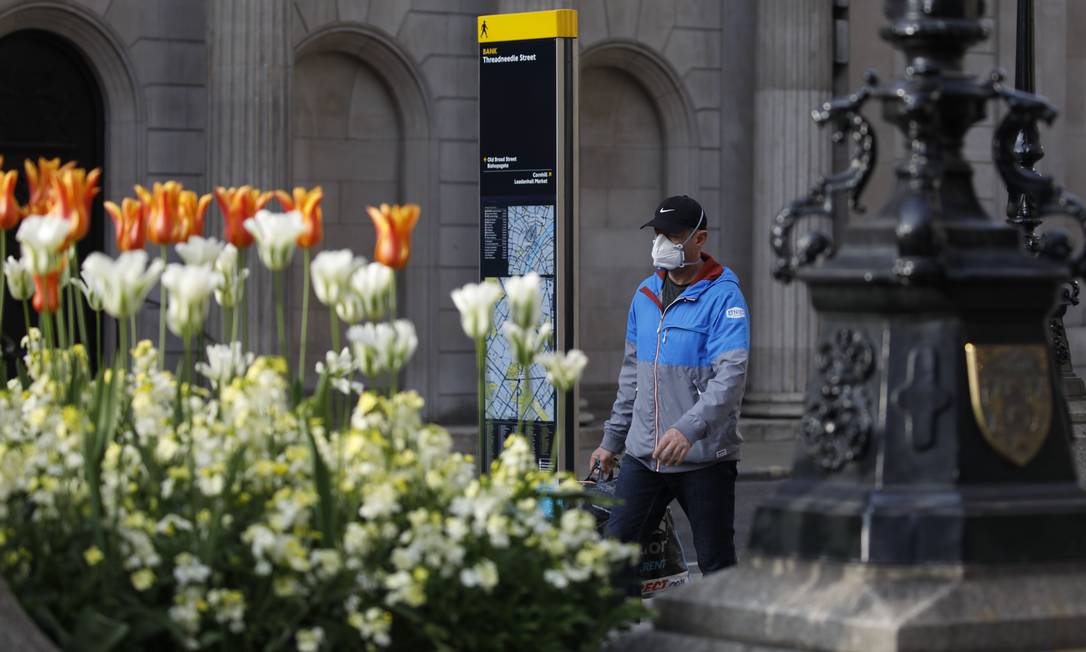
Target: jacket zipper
[656, 379]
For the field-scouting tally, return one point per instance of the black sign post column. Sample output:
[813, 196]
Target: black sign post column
[528, 206]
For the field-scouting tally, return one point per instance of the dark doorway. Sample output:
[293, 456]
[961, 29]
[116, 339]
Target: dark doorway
[50, 106]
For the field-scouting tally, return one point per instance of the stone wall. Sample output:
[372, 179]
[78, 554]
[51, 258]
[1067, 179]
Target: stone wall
[381, 104]
[151, 61]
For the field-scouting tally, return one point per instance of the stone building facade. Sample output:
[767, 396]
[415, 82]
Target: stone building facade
[376, 100]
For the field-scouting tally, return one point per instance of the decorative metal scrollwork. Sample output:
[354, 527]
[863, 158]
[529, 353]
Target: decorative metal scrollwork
[848, 123]
[1061, 348]
[837, 423]
[1024, 112]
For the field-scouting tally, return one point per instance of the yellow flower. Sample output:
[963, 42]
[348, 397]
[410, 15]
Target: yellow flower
[143, 579]
[367, 402]
[93, 556]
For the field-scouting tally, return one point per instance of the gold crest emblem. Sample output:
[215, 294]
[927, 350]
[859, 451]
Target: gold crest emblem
[1011, 393]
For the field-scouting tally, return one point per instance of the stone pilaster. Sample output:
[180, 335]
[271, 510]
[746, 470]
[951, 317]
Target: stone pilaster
[793, 59]
[249, 109]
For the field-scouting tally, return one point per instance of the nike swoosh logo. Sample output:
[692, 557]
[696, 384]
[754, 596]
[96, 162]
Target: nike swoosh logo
[666, 210]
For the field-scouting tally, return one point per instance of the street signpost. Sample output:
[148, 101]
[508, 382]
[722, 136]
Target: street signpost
[528, 206]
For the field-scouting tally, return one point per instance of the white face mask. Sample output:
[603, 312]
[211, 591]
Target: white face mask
[669, 255]
[666, 254]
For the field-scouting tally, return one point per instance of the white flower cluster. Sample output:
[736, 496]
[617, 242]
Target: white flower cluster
[355, 290]
[218, 509]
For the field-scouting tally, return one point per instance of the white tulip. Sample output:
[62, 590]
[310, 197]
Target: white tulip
[189, 288]
[123, 283]
[276, 235]
[225, 362]
[20, 282]
[232, 288]
[401, 344]
[383, 347]
[373, 285]
[524, 299]
[200, 251]
[336, 364]
[91, 293]
[563, 369]
[339, 366]
[364, 346]
[332, 272]
[41, 238]
[526, 342]
[350, 308]
[476, 302]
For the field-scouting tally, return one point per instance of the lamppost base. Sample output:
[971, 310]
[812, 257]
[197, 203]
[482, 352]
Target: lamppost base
[769, 604]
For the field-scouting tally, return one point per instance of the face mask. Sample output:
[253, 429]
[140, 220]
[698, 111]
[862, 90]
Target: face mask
[668, 255]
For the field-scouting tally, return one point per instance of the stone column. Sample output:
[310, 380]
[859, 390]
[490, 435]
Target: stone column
[793, 59]
[249, 135]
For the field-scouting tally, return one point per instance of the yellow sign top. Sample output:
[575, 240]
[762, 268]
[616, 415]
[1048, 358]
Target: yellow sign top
[558, 23]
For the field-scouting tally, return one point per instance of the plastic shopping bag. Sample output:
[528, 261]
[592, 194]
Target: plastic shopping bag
[663, 564]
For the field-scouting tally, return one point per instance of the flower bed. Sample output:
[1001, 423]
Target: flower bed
[221, 507]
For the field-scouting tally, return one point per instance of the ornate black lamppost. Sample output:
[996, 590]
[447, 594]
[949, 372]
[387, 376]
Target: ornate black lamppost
[933, 503]
[1022, 213]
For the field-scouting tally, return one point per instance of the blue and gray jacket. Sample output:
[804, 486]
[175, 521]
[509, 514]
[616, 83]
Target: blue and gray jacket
[685, 368]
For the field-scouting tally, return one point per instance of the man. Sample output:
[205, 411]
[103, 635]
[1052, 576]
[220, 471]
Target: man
[681, 383]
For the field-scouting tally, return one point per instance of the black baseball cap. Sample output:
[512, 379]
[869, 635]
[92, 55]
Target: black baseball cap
[677, 214]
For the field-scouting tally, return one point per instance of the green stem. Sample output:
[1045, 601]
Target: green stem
[334, 321]
[3, 277]
[303, 344]
[559, 421]
[69, 307]
[392, 298]
[26, 315]
[78, 296]
[58, 316]
[49, 350]
[3, 296]
[98, 338]
[480, 372]
[523, 382]
[132, 328]
[280, 312]
[243, 257]
[162, 314]
[122, 349]
[187, 383]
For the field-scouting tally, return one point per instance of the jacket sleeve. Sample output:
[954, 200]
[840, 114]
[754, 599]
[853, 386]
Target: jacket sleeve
[616, 428]
[728, 345]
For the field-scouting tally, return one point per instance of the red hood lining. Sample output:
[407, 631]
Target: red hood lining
[710, 270]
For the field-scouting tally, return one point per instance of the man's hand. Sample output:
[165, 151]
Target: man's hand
[672, 448]
[606, 459]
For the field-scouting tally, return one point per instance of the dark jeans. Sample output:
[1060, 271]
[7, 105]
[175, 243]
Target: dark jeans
[707, 496]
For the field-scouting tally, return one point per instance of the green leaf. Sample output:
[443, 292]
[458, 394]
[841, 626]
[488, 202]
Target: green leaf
[20, 369]
[323, 481]
[296, 392]
[95, 632]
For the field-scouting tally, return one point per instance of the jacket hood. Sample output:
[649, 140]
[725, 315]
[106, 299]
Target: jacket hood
[711, 273]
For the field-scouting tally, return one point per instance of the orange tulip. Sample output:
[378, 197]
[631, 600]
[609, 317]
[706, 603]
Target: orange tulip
[237, 206]
[47, 291]
[128, 221]
[10, 211]
[73, 193]
[160, 204]
[39, 181]
[190, 214]
[394, 225]
[308, 203]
